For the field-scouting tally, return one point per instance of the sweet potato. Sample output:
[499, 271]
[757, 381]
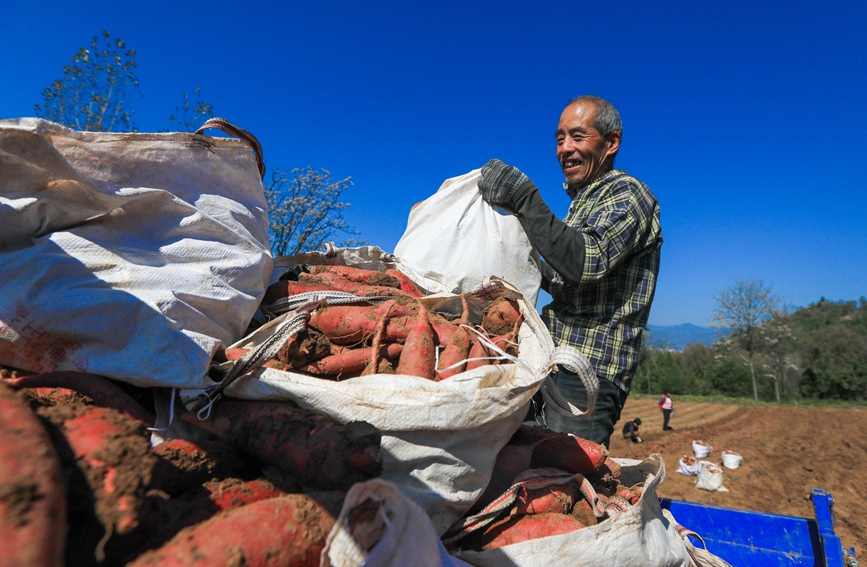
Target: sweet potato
[183, 464]
[631, 495]
[350, 324]
[32, 494]
[103, 391]
[516, 529]
[568, 453]
[286, 530]
[312, 447]
[108, 460]
[358, 275]
[204, 502]
[351, 360]
[479, 355]
[338, 283]
[456, 351]
[406, 284]
[55, 396]
[419, 353]
[500, 316]
[558, 498]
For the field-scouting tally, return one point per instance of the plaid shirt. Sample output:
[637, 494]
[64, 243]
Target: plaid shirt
[605, 315]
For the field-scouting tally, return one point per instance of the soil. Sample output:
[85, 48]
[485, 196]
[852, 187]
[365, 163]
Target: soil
[787, 451]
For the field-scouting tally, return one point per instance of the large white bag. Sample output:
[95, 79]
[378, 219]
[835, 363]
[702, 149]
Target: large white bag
[455, 233]
[132, 256]
[439, 439]
[643, 534]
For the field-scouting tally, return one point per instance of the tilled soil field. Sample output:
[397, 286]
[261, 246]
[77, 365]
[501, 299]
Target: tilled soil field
[787, 451]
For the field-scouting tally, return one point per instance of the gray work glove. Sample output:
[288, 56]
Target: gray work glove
[500, 184]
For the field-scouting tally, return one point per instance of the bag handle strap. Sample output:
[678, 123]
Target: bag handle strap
[225, 126]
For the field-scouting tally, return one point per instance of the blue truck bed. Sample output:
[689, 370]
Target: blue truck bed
[746, 538]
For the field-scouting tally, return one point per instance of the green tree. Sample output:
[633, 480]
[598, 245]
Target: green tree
[835, 364]
[695, 360]
[666, 374]
[743, 308]
[305, 210]
[729, 377]
[95, 90]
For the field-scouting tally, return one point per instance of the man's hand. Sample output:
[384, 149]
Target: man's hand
[500, 183]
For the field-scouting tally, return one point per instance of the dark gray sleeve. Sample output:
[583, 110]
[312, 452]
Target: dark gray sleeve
[559, 244]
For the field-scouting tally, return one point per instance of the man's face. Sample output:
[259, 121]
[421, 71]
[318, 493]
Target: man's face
[581, 150]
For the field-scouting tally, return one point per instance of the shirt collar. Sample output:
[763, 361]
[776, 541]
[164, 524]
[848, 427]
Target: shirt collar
[604, 178]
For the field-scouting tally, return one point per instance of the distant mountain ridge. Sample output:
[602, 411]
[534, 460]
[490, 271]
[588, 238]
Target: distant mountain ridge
[676, 337]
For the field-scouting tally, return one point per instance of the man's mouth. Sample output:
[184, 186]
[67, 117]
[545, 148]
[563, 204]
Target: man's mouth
[571, 163]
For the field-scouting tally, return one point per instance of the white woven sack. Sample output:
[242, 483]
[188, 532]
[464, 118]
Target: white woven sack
[701, 449]
[687, 469]
[640, 535]
[400, 533]
[132, 256]
[456, 234]
[439, 439]
[710, 477]
[731, 460]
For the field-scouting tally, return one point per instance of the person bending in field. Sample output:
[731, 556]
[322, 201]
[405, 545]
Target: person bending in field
[600, 264]
[630, 430]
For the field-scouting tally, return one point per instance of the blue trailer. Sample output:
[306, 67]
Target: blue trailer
[746, 538]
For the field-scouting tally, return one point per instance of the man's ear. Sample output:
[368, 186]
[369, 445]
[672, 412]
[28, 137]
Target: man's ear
[613, 144]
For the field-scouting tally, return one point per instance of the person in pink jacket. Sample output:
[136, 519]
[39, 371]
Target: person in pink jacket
[666, 406]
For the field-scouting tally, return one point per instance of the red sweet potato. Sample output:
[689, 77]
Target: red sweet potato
[479, 355]
[568, 453]
[406, 284]
[419, 353]
[631, 495]
[287, 530]
[32, 494]
[338, 283]
[54, 396]
[348, 324]
[457, 350]
[351, 360]
[358, 275]
[516, 529]
[312, 447]
[500, 316]
[558, 498]
[183, 464]
[204, 502]
[108, 460]
[103, 391]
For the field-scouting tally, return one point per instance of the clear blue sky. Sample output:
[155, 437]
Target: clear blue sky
[747, 119]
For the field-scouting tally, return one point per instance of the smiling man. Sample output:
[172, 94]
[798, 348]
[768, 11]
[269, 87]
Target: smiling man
[601, 261]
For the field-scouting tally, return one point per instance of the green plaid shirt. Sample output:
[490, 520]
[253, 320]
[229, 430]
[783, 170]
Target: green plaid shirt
[605, 315]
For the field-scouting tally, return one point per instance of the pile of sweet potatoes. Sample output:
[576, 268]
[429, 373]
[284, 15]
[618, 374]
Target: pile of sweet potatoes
[81, 483]
[544, 483]
[395, 333]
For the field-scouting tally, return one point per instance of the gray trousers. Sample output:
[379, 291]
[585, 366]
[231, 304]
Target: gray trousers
[599, 425]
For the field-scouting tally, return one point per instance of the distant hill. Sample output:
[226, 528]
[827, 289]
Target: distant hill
[676, 337]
